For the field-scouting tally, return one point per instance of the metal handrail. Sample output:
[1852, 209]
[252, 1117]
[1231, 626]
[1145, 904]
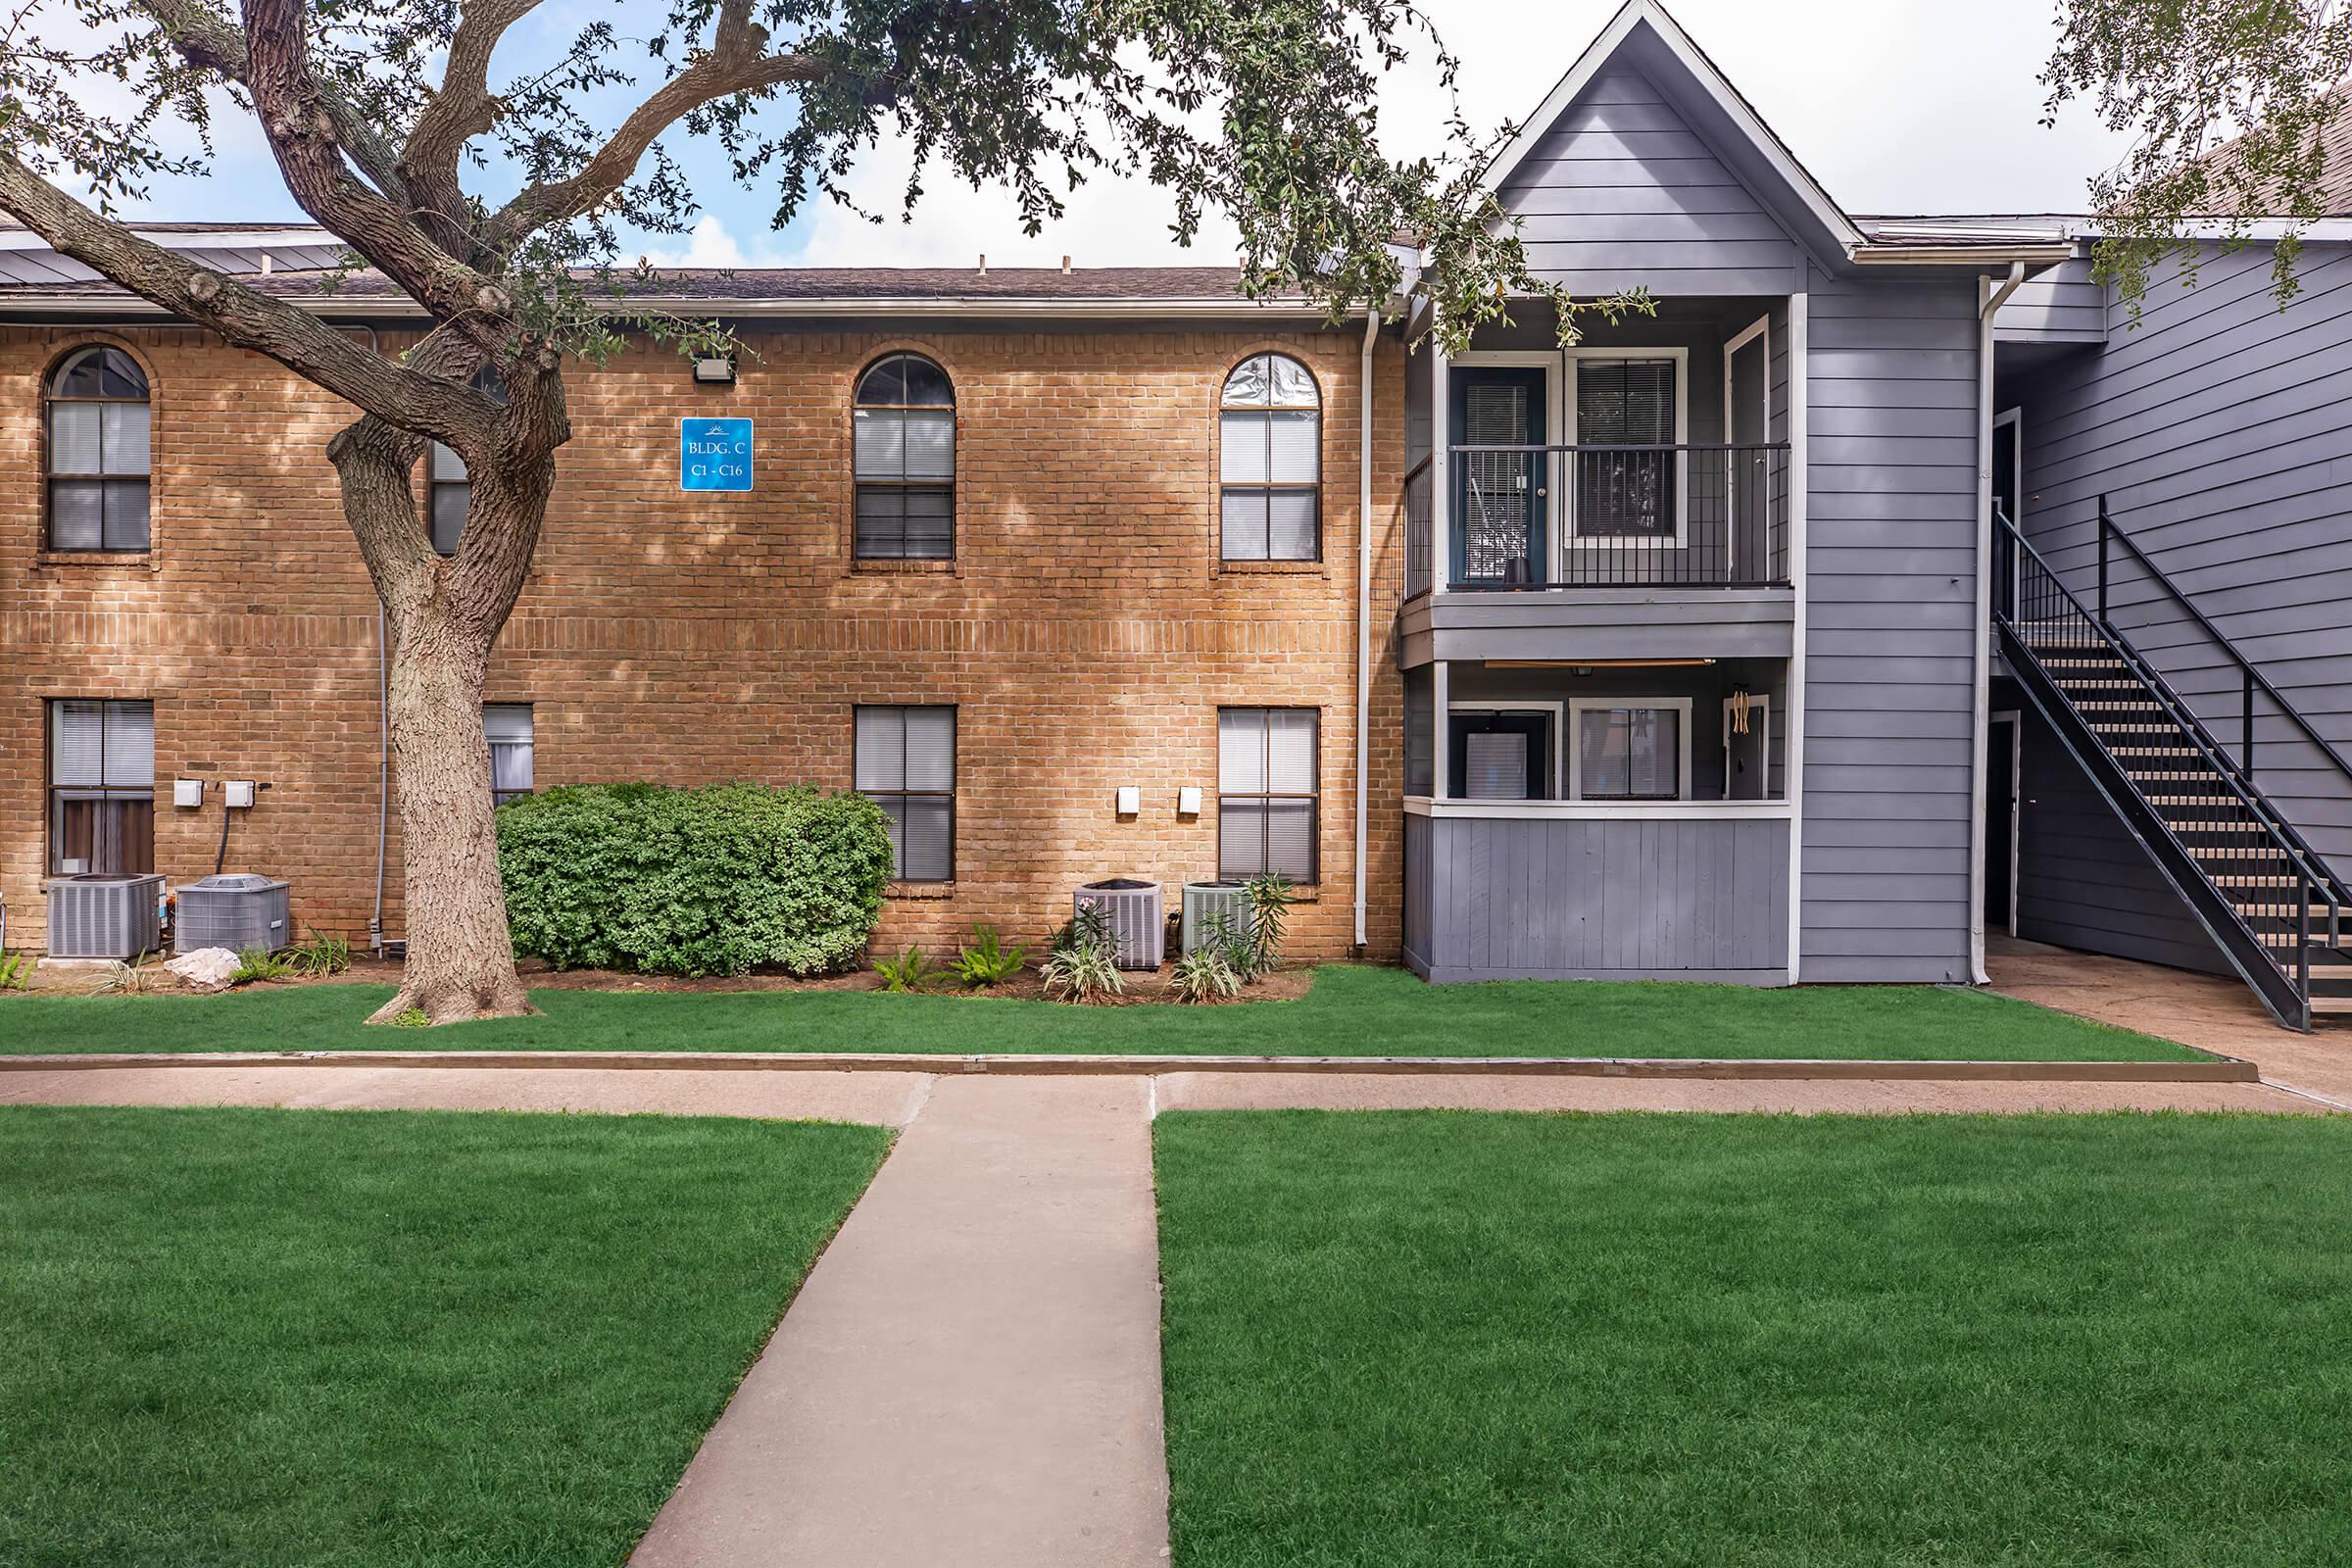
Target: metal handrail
[2254, 678]
[2320, 879]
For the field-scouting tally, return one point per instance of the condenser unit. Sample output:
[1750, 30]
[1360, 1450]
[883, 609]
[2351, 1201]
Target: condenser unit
[105, 916]
[236, 911]
[1203, 901]
[1137, 924]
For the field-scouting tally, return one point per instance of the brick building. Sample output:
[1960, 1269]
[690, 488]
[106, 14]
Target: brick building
[1010, 592]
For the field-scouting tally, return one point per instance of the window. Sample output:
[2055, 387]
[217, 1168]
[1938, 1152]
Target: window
[1628, 403]
[101, 787]
[1636, 750]
[449, 491]
[905, 764]
[1266, 792]
[904, 450]
[508, 725]
[1270, 459]
[98, 428]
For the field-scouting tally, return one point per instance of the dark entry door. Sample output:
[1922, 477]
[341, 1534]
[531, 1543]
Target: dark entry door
[2000, 823]
[1500, 757]
[1498, 497]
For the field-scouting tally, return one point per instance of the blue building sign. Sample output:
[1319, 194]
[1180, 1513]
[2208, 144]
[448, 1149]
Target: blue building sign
[714, 453]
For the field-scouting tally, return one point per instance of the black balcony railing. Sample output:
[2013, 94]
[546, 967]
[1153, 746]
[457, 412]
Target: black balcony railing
[1550, 517]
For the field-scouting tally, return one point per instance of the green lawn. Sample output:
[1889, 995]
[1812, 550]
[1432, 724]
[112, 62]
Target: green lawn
[377, 1338]
[1350, 1012]
[1412, 1339]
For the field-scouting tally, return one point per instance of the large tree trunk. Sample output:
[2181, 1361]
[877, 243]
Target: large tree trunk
[443, 617]
[461, 960]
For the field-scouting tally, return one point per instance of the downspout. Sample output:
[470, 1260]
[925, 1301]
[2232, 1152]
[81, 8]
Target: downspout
[1364, 614]
[1994, 296]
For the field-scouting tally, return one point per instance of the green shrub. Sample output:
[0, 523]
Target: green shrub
[716, 880]
[987, 962]
[1205, 974]
[910, 971]
[320, 953]
[257, 962]
[1084, 964]
[14, 968]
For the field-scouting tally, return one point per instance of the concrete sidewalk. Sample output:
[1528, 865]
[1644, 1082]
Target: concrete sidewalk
[971, 1374]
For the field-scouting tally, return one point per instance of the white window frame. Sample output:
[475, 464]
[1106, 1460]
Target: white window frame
[530, 711]
[1578, 706]
[1755, 700]
[1558, 712]
[1573, 537]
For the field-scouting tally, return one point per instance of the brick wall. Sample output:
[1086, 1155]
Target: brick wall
[1086, 631]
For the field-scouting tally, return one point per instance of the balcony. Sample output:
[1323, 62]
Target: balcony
[1524, 518]
[1598, 553]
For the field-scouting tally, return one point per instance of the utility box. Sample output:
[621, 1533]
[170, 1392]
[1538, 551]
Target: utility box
[236, 911]
[105, 916]
[1133, 908]
[1203, 901]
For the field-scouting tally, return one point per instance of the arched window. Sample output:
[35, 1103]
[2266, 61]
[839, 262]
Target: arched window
[448, 492]
[1270, 441]
[98, 425]
[904, 461]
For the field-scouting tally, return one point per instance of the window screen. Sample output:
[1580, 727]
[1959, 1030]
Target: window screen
[1266, 792]
[1271, 456]
[905, 764]
[98, 429]
[101, 787]
[1628, 753]
[508, 727]
[1626, 403]
[903, 452]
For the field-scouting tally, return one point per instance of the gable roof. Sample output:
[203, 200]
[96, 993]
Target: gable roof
[1642, 32]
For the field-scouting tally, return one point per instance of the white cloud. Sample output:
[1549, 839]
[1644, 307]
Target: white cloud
[709, 244]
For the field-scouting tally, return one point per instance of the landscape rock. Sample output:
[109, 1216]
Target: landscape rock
[208, 967]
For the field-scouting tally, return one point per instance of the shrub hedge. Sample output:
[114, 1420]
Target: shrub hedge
[716, 880]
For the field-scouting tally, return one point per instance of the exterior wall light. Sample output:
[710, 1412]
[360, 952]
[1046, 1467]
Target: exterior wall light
[714, 371]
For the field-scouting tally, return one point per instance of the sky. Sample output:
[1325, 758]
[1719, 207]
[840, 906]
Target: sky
[1896, 105]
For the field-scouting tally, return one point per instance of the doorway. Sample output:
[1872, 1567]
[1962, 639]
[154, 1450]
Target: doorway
[1503, 754]
[2001, 773]
[1499, 495]
[1747, 469]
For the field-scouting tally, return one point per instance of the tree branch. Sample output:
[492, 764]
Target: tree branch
[462, 109]
[207, 39]
[737, 62]
[309, 156]
[456, 414]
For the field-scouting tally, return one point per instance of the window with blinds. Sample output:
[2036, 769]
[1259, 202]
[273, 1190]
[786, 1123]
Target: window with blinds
[1270, 461]
[1266, 792]
[1626, 403]
[449, 491]
[903, 452]
[1629, 753]
[101, 787]
[508, 727]
[905, 764]
[98, 431]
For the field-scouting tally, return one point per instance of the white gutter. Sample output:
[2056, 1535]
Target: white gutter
[2039, 253]
[1364, 614]
[1218, 307]
[1991, 297]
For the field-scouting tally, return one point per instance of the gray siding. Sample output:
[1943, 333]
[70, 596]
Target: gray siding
[1495, 899]
[2083, 881]
[1621, 192]
[2061, 306]
[2219, 430]
[1890, 617]
[1599, 623]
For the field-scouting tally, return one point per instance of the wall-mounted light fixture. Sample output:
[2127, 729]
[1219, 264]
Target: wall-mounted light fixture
[1188, 801]
[1130, 800]
[715, 370]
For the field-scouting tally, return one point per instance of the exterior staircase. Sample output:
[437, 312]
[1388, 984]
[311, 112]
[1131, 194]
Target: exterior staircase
[2276, 909]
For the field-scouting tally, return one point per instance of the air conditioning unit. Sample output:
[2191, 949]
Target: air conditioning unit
[1203, 901]
[236, 911]
[1136, 922]
[105, 916]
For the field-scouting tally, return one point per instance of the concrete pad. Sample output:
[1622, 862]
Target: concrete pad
[2208, 1012]
[970, 1375]
[888, 1100]
[1209, 1091]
